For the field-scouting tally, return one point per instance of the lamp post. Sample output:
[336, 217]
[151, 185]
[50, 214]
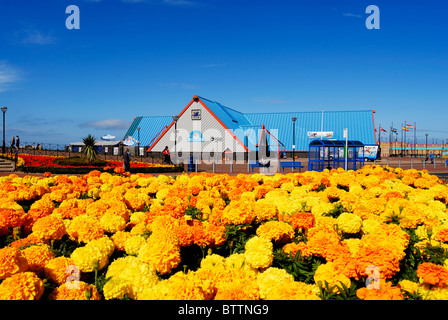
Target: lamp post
[293, 141]
[426, 145]
[246, 143]
[175, 118]
[138, 142]
[4, 143]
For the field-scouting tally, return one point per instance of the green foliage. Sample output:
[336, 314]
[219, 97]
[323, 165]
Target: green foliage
[89, 151]
[336, 211]
[64, 247]
[237, 236]
[301, 268]
[194, 213]
[328, 293]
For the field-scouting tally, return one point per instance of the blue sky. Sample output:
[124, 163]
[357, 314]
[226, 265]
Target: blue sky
[149, 57]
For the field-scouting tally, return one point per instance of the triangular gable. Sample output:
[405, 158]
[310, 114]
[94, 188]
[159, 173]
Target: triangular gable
[208, 106]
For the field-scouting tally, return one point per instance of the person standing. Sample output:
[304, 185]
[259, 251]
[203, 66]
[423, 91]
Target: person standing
[17, 143]
[431, 156]
[166, 155]
[13, 144]
[127, 160]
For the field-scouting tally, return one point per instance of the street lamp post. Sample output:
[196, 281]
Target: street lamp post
[293, 141]
[426, 145]
[175, 118]
[4, 143]
[138, 143]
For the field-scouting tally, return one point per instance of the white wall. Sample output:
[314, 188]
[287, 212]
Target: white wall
[208, 126]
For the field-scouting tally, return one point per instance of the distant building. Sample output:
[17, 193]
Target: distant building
[102, 147]
[210, 129]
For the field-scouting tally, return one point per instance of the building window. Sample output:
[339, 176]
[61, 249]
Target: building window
[196, 114]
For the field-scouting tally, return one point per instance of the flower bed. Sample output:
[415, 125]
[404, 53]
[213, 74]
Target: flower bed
[41, 164]
[377, 233]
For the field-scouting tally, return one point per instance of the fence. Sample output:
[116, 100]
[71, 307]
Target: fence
[62, 150]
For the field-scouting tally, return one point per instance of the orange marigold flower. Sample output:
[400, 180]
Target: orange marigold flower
[78, 290]
[385, 292]
[432, 274]
[238, 212]
[85, 228]
[300, 220]
[10, 218]
[49, 228]
[119, 239]
[277, 231]
[56, 269]
[12, 261]
[38, 256]
[22, 286]
[31, 239]
[162, 250]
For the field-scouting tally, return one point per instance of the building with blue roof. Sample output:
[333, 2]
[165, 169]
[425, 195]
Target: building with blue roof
[209, 128]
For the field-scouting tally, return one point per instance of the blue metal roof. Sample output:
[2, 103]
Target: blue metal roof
[359, 123]
[231, 118]
[150, 127]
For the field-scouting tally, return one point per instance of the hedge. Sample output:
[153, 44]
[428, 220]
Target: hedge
[85, 170]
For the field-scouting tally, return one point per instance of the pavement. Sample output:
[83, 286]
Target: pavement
[440, 168]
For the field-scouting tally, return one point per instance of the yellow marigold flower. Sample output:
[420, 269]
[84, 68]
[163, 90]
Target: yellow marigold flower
[38, 256]
[162, 250]
[369, 226]
[133, 244]
[238, 212]
[264, 210]
[22, 286]
[133, 271]
[116, 288]
[56, 269]
[213, 261]
[76, 291]
[349, 223]
[259, 252]
[409, 286]
[270, 279]
[12, 261]
[112, 223]
[85, 228]
[327, 272]
[277, 231]
[49, 228]
[294, 290]
[94, 254]
[240, 285]
[119, 239]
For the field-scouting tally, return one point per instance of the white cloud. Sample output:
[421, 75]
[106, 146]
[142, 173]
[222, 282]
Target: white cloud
[213, 65]
[109, 124]
[8, 75]
[347, 14]
[35, 37]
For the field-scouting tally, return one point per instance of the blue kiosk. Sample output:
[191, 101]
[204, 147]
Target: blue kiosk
[330, 154]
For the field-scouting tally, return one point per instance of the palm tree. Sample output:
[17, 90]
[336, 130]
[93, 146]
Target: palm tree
[89, 151]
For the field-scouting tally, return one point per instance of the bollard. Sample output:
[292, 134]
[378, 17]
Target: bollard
[412, 163]
[399, 163]
[424, 163]
[435, 163]
[387, 162]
